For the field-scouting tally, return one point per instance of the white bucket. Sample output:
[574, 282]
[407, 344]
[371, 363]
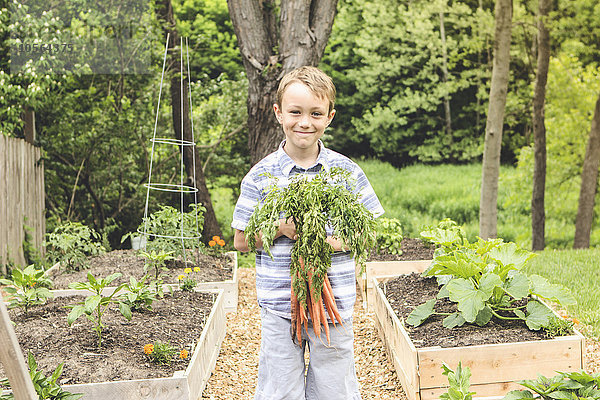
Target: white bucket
[138, 242]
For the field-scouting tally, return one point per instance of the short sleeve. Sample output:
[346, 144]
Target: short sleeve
[367, 194]
[249, 198]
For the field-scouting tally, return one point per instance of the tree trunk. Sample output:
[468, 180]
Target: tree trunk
[181, 109]
[447, 113]
[271, 45]
[488, 205]
[538, 213]
[589, 182]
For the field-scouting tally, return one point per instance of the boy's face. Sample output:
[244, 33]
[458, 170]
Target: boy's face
[303, 117]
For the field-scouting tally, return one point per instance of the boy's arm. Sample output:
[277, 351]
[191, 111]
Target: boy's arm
[286, 228]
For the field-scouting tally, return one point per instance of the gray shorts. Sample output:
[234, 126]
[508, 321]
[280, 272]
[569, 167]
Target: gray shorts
[281, 369]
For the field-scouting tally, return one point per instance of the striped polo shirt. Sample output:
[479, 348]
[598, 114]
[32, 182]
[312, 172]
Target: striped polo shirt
[273, 280]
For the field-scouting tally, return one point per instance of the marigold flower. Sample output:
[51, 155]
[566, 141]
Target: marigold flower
[183, 354]
[187, 270]
[212, 243]
[180, 277]
[148, 348]
[221, 243]
[197, 269]
[216, 238]
[575, 321]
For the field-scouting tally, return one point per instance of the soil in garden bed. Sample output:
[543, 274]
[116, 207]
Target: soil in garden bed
[412, 249]
[178, 319]
[212, 268]
[406, 292]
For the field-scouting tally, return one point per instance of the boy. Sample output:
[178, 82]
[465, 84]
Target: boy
[304, 108]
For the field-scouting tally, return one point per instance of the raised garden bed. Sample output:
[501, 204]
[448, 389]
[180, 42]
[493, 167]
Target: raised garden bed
[415, 257]
[216, 272]
[497, 360]
[194, 321]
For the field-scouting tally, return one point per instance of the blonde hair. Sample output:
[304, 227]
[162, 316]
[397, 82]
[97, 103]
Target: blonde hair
[316, 80]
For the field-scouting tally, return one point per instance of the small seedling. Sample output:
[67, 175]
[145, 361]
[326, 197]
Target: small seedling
[27, 287]
[95, 305]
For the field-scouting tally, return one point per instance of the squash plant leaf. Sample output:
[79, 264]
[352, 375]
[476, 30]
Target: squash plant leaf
[484, 316]
[538, 315]
[470, 300]
[453, 320]
[518, 394]
[517, 285]
[421, 313]
[509, 254]
[542, 287]
[488, 282]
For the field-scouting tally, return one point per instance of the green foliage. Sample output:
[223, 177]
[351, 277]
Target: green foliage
[71, 244]
[139, 294]
[312, 203]
[167, 226]
[485, 280]
[162, 352]
[45, 387]
[156, 260]
[28, 287]
[459, 381]
[95, 305]
[564, 385]
[389, 235]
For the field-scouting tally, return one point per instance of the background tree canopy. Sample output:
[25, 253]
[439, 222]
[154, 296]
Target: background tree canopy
[396, 70]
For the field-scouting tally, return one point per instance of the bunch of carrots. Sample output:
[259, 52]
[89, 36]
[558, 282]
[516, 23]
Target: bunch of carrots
[313, 203]
[316, 304]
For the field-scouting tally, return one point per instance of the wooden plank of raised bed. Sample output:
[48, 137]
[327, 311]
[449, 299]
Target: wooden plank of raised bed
[504, 361]
[203, 362]
[12, 359]
[402, 352]
[487, 391]
[157, 389]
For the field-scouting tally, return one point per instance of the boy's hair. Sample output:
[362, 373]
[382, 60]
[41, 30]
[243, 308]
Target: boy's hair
[316, 80]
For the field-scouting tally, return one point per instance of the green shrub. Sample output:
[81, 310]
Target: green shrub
[71, 244]
[389, 235]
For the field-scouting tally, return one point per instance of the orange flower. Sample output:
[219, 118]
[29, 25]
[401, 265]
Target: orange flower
[148, 348]
[183, 354]
[212, 243]
[216, 238]
[221, 243]
[575, 321]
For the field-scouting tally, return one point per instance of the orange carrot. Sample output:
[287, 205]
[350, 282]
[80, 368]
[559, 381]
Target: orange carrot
[331, 300]
[325, 323]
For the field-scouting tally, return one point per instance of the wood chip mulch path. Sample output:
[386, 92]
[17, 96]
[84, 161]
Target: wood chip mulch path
[235, 374]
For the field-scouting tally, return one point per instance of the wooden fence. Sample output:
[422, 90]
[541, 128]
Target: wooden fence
[21, 198]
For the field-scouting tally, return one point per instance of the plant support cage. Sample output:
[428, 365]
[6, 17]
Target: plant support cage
[180, 187]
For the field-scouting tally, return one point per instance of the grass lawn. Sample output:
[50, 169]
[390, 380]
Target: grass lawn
[579, 270]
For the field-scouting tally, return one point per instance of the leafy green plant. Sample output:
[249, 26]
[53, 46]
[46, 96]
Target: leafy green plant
[389, 235]
[71, 244]
[27, 287]
[564, 385]
[459, 381]
[95, 305]
[139, 294]
[485, 279]
[45, 387]
[165, 230]
[156, 261]
[160, 352]
[186, 280]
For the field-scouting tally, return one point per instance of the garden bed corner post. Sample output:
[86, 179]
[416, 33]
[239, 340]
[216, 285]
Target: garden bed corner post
[13, 361]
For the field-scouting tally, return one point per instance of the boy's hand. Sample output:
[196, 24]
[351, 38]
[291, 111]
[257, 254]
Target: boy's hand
[287, 228]
[336, 244]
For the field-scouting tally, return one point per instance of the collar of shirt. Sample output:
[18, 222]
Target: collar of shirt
[288, 165]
